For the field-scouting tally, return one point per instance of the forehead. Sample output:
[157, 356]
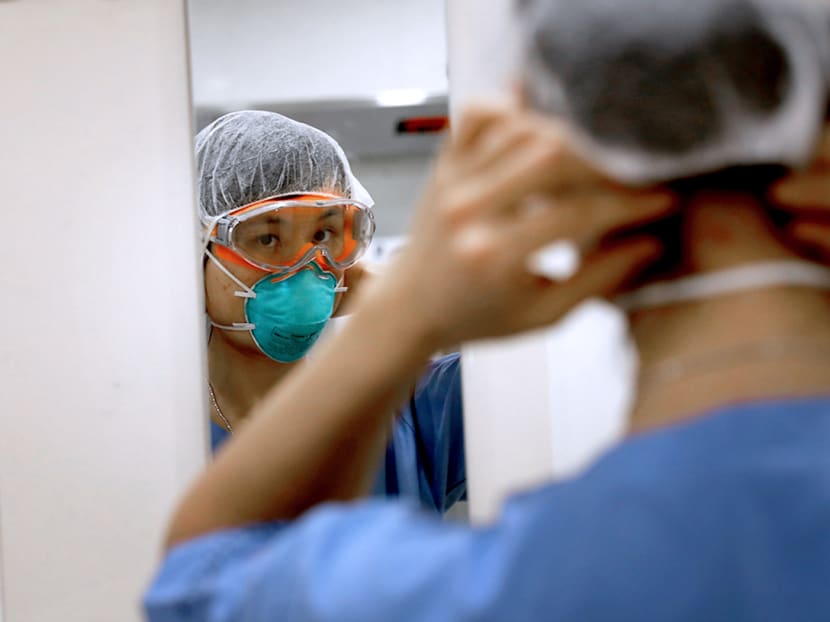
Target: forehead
[283, 201]
[297, 215]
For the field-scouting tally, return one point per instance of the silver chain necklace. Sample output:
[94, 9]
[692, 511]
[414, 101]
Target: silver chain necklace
[219, 412]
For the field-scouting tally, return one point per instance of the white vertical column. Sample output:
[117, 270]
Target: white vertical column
[101, 332]
[538, 406]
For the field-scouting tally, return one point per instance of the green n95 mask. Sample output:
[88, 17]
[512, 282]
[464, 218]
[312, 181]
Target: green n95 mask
[286, 315]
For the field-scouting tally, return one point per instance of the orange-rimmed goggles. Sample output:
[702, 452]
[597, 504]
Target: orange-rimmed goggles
[283, 233]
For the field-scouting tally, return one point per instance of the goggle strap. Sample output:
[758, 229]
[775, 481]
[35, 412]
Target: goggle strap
[208, 226]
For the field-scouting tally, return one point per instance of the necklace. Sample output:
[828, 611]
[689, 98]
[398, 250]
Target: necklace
[764, 351]
[219, 412]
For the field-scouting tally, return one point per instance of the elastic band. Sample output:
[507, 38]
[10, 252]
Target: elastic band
[248, 293]
[238, 326]
[727, 281]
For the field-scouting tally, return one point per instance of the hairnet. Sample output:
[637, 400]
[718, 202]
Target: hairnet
[246, 156]
[655, 90]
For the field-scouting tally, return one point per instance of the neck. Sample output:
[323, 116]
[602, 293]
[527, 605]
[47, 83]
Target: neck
[716, 346]
[239, 378]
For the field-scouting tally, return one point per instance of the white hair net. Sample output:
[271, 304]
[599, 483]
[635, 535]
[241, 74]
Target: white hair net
[655, 90]
[246, 156]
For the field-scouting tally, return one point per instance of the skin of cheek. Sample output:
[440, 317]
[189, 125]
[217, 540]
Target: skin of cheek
[223, 307]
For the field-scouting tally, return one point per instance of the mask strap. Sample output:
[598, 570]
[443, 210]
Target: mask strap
[237, 326]
[728, 281]
[340, 287]
[208, 224]
[247, 291]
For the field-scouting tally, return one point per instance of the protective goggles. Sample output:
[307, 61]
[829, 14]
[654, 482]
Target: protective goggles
[284, 233]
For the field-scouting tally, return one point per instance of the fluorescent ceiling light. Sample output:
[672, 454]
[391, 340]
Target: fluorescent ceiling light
[401, 97]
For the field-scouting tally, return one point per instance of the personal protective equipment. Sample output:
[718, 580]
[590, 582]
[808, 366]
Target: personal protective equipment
[284, 233]
[286, 315]
[658, 91]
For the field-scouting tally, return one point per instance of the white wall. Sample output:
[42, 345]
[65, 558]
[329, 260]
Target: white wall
[102, 405]
[250, 51]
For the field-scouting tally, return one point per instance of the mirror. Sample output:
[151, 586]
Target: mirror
[373, 76]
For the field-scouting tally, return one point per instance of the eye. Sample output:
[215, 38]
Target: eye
[322, 236]
[267, 240]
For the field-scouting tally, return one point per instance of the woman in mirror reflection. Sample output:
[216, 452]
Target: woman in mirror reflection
[665, 137]
[284, 224]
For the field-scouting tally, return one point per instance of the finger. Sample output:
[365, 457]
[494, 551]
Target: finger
[566, 168]
[806, 192]
[796, 191]
[822, 159]
[501, 141]
[474, 120]
[539, 165]
[585, 218]
[596, 214]
[602, 274]
[814, 235]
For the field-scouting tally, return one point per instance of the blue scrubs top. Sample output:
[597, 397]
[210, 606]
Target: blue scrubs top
[726, 517]
[425, 456]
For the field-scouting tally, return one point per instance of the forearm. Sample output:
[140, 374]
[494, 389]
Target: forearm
[321, 434]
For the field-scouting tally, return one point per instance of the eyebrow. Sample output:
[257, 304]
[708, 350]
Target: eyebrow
[332, 211]
[329, 213]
